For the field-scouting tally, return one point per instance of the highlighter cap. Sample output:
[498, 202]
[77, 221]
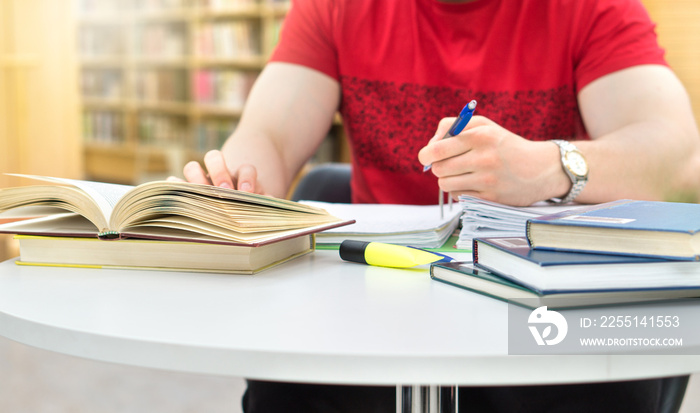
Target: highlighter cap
[353, 251]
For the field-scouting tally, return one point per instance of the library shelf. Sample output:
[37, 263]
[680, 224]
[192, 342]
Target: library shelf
[163, 81]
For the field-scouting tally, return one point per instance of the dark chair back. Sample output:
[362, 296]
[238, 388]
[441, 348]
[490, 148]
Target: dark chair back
[329, 182]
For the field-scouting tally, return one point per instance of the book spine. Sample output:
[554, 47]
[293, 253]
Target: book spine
[475, 250]
[528, 235]
[107, 234]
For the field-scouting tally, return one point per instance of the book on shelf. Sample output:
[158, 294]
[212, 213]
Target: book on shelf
[464, 274]
[212, 133]
[222, 88]
[647, 228]
[158, 255]
[165, 130]
[414, 225]
[483, 218]
[160, 41]
[161, 85]
[237, 39]
[225, 4]
[92, 6]
[106, 85]
[100, 41]
[103, 126]
[162, 210]
[618, 276]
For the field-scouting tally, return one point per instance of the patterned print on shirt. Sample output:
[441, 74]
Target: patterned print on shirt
[390, 122]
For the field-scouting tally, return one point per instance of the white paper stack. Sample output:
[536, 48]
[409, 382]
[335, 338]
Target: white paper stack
[490, 219]
[414, 225]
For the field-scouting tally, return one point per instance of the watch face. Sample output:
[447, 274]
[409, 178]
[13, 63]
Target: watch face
[576, 164]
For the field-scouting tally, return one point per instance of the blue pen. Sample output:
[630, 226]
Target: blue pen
[457, 127]
[459, 124]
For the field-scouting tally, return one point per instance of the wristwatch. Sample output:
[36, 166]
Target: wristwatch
[576, 169]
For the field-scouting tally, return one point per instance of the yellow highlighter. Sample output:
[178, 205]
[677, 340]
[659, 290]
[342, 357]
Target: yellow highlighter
[388, 255]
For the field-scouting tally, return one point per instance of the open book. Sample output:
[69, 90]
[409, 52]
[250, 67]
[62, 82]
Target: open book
[161, 210]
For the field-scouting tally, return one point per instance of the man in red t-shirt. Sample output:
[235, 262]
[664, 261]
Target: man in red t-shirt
[589, 72]
[584, 71]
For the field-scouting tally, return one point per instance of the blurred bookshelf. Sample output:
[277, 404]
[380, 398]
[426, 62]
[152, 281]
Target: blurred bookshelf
[163, 81]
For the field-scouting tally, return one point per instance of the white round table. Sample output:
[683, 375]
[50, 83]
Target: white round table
[314, 319]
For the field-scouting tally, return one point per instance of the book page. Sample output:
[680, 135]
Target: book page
[490, 219]
[414, 225]
[105, 195]
[388, 218]
[494, 208]
[57, 224]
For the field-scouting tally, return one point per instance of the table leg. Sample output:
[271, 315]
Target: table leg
[427, 399]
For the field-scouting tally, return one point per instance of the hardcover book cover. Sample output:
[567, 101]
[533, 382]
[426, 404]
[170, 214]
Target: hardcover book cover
[648, 228]
[469, 277]
[541, 270]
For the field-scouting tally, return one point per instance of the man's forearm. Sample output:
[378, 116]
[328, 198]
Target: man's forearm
[654, 160]
[645, 142]
[287, 115]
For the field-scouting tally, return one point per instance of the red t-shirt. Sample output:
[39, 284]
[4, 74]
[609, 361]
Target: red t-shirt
[405, 64]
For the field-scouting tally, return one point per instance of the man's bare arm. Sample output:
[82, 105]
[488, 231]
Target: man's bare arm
[645, 142]
[287, 115]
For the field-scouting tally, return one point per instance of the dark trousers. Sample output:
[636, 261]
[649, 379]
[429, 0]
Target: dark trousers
[619, 397]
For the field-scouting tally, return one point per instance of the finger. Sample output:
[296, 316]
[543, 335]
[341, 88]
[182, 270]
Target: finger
[174, 179]
[439, 152]
[194, 173]
[247, 179]
[463, 160]
[218, 172]
[466, 185]
[478, 120]
[477, 181]
[428, 154]
[443, 126]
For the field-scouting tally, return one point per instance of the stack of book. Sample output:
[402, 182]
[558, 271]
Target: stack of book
[483, 218]
[618, 252]
[159, 225]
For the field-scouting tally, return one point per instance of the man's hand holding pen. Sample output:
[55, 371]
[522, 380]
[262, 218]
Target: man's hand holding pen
[492, 163]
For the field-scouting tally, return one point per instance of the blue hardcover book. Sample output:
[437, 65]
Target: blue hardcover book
[647, 228]
[466, 275]
[557, 271]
